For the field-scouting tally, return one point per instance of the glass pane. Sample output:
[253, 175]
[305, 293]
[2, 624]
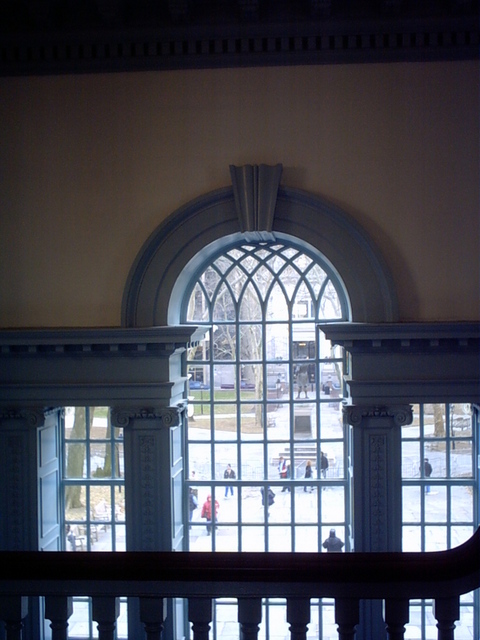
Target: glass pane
[461, 419]
[253, 539]
[461, 535]
[225, 377]
[100, 460]
[333, 504]
[306, 539]
[225, 419]
[75, 423]
[197, 305]
[223, 308]
[410, 459]
[327, 349]
[333, 539]
[461, 459]
[330, 304]
[252, 504]
[75, 460]
[200, 461]
[279, 539]
[412, 538]
[437, 459]
[435, 538]
[100, 423]
[411, 504]
[277, 305]
[252, 382]
[436, 504]
[119, 505]
[306, 507]
[304, 421]
[330, 378]
[334, 454]
[251, 421]
[250, 306]
[225, 456]
[252, 461]
[434, 421]
[224, 343]
[226, 537]
[100, 503]
[331, 421]
[276, 343]
[316, 276]
[119, 466]
[462, 503]
[75, 502]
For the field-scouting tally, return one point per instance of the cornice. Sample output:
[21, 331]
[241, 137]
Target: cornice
[57, 367]
[433, 337]
[122, 47]
[95, 341]
[397, 363]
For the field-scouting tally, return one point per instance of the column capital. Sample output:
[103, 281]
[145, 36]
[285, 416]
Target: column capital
[31, 416]
[355, 414]
[169, 416]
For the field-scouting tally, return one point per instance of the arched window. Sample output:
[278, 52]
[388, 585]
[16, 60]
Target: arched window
[265, 397]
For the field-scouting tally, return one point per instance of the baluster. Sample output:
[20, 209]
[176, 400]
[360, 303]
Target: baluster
[58, 610]
[105, 611]
[298, 615]
[153, 612]
[347, 615]
[446, 611]
[13, 611]
[200, 615]
[249, 617]
[397, 614]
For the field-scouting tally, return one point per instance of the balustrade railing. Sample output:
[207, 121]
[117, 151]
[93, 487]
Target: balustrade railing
[395, 578]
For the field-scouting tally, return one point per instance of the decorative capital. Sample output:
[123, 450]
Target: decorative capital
[255, 189]
[168, 416]
[33, 417]
[402, 415]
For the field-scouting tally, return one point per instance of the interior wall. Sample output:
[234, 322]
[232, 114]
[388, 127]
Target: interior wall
[91, 165]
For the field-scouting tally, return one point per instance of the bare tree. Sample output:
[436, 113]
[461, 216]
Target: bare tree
[76, 456]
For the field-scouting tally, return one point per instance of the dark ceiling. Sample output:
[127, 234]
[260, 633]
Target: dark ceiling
[74, 36]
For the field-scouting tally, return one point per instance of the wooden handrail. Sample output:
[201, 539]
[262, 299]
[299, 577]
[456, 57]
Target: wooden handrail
[358, 575]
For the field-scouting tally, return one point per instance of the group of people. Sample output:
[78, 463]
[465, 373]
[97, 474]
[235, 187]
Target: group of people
[210, 509]
[284, 470]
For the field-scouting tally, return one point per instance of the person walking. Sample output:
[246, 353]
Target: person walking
[192, 503]
[210, 513]
[333, 544]
[229, 475]
[323, 464]
[427, 471]
[308, 475]
[270, 498]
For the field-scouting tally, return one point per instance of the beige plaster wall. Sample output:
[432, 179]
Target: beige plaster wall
[90, 165]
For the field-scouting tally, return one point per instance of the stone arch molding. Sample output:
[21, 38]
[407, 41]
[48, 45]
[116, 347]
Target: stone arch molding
[255, 207]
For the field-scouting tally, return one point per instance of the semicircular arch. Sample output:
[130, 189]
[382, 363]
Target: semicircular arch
[180, 245]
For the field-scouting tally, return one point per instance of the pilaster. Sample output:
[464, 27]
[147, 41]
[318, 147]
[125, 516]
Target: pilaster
[377, 468]
[377, 490]
[153, 467]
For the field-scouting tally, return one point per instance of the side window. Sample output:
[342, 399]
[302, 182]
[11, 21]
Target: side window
[440, 494]
[93, 494]
[94, 498]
